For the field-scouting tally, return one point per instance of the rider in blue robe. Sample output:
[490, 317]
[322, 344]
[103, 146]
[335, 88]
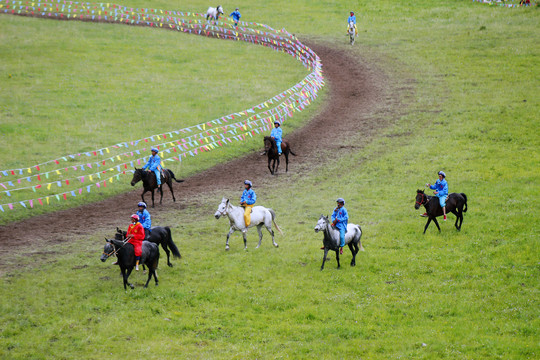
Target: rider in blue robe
[144, 218]
[154, 164]
[352, 18]
[236, 16]
[276, 134]
[340, 219]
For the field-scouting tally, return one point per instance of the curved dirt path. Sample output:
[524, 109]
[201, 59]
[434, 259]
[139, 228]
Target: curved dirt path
[358, 102]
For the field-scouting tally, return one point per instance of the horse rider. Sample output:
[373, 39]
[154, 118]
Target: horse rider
[277, 134]
[236, 16]
[154, 164]
[135, 236]
[340, 218]
[352, 18]
[441, 191]
[247, 201]
[144, 219]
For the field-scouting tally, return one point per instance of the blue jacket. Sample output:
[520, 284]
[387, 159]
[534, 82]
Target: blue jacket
[342, 217]
[144, 219]
[154, 163]
[352, 18]
[441, 187]
[276, 134]
[249, 197]
[236, 15]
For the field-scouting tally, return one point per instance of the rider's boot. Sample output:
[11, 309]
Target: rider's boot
[137, 265]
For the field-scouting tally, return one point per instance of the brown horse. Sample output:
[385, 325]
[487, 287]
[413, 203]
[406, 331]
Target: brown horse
[455, 204]
[149, 181]
[270, 148]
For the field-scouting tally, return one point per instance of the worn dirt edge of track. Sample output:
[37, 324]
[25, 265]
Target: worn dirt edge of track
[358, 102]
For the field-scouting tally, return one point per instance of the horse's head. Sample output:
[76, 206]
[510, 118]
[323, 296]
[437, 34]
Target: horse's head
[222, 208]
[138, 175]
[108, 250]
[322, 223]
[269, 143]
[421, 199]
[120, 235]
[219, 9]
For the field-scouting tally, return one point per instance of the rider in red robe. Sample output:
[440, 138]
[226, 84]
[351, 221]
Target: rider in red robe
[135, 236]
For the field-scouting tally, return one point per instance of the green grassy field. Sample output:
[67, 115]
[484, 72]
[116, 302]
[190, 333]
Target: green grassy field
[472, 294]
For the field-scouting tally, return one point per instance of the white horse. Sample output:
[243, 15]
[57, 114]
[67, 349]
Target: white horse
[259, 216]
[214, 12]
[331, 239]
[351, 32]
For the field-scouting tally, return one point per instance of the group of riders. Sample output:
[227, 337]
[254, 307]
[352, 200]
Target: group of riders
[141, 223]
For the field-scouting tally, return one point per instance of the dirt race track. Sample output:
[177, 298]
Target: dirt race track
[358, 102]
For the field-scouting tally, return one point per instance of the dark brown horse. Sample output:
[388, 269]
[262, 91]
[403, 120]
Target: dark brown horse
[455, 204]
[149, 181]
[270, 148]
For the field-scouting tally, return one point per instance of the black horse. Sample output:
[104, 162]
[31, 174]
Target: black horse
[159, 235]
[455, 204]
[149, 181]
[270, 148]
[126, 258]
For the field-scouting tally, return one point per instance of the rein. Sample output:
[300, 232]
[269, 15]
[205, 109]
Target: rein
[114, 252]
[422, 201]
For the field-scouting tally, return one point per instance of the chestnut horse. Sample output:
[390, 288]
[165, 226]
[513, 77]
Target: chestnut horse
[270, 148]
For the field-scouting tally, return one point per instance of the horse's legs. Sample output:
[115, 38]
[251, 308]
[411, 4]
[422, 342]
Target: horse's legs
[126, 276]
[324, 258]
[160, 189]
[353, 252]
[269, 228]
[150, 272]
[228, 236]
[259, 227]
[171, 188]
[287, 161]
[455, 212]
[152, 197]
[437, 223]
[427, 224]
[269, 168]
[337, 259]
[277, 167]
[244, 235]
[164, 246]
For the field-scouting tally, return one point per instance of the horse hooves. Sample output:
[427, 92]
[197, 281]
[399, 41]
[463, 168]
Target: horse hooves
[170, 265]
[131, 286]
[226, 248]
[276, 245]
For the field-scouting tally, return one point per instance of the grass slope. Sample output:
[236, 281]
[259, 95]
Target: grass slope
[467, 295]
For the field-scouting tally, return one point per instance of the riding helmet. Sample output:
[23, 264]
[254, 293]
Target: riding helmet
[247, 182]
[141, 204]
[341, 200]
[277, 122]
[135, 216]
[154, 149]
[442, 173]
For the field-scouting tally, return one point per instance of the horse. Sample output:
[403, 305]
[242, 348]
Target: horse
[455, 204]
[149, 181]
[126, 258]
[214, 13]
[260, 216]
[331, 239]
[351, 32]
[158, 235]
[270, 148]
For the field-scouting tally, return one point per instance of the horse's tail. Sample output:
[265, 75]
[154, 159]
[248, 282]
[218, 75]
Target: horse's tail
[274, 221]
[289, 146]
[465, 197]
[291, 152]
[361, 248]
[171, 244]
[173, 177]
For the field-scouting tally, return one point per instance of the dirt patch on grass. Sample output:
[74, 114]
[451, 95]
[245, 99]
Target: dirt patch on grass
[360, 101]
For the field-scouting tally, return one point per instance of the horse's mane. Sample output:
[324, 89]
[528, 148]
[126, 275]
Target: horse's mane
[272, 141]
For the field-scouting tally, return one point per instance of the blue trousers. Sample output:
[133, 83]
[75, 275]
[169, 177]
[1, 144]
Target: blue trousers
[158, 176]
[278, 144]
[342, 236]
